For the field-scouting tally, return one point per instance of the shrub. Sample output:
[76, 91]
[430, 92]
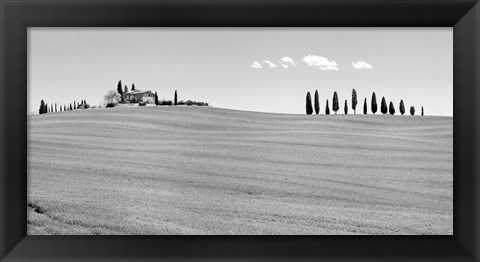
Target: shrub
[142, 103]
[181, 102]
[86, 106]
[110, 105]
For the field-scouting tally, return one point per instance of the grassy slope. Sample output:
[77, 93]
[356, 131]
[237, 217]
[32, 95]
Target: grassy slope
[193, 170]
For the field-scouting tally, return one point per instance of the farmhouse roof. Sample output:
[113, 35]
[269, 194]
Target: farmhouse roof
[136, 91]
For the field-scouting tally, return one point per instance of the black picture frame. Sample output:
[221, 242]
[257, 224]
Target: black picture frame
[17, 15]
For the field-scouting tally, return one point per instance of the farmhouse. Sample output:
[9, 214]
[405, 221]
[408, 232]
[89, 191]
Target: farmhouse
[136, 96]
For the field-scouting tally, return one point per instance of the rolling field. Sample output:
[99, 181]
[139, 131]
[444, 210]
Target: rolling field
[203, 170]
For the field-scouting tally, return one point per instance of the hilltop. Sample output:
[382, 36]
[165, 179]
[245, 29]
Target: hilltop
[204, 170]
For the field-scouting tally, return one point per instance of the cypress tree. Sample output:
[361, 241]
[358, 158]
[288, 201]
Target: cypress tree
[46, 108]
[335, 106]
[55, 107]
[74, 105]
[365, 106]
[317, 103]
[345, 108]
[175, 98]
[422, 110]
[412, 110]
[383, 107]
[391, 108]
[308, 105]
[354, 101]
[374, 103]
[133, 87]
[125, 89]
[327, 109]
[119, 89]
[51, 108]
[71, 106]
[156, 98]
[42, 107]
[402, 107]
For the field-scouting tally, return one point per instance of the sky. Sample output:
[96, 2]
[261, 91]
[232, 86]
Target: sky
[254, 69]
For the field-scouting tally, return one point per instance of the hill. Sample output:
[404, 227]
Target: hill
[203, 170]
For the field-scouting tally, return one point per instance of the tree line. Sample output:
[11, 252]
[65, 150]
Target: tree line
[52, 108]
[373, 107]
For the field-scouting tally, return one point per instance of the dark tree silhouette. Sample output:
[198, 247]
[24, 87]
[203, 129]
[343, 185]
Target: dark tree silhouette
[317, 103]
[308, 105]
[56, 107]
[41, 110]
[51, 108]
[402, 107]
[156, 98]
[46, 108]
[412, 110]
[365, 106]
[354, 101]
[327, 109]
[119, 89]
[125, 89]
[335, 106]
[175, 98]
[133, 87]
[391, 108]
[374, 103]
[345, 108]
[74, 105]
[383, 107]
[422, 110]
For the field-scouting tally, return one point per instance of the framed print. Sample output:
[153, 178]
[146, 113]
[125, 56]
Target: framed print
[126, 124]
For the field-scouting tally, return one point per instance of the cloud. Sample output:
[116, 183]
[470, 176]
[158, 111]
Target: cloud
[270, 64]
[361, 65]
[256, 65]
[287, 62]
[321, 62]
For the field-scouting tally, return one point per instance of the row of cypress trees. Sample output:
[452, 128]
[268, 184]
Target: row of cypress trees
[335, 105]
[44, 108]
